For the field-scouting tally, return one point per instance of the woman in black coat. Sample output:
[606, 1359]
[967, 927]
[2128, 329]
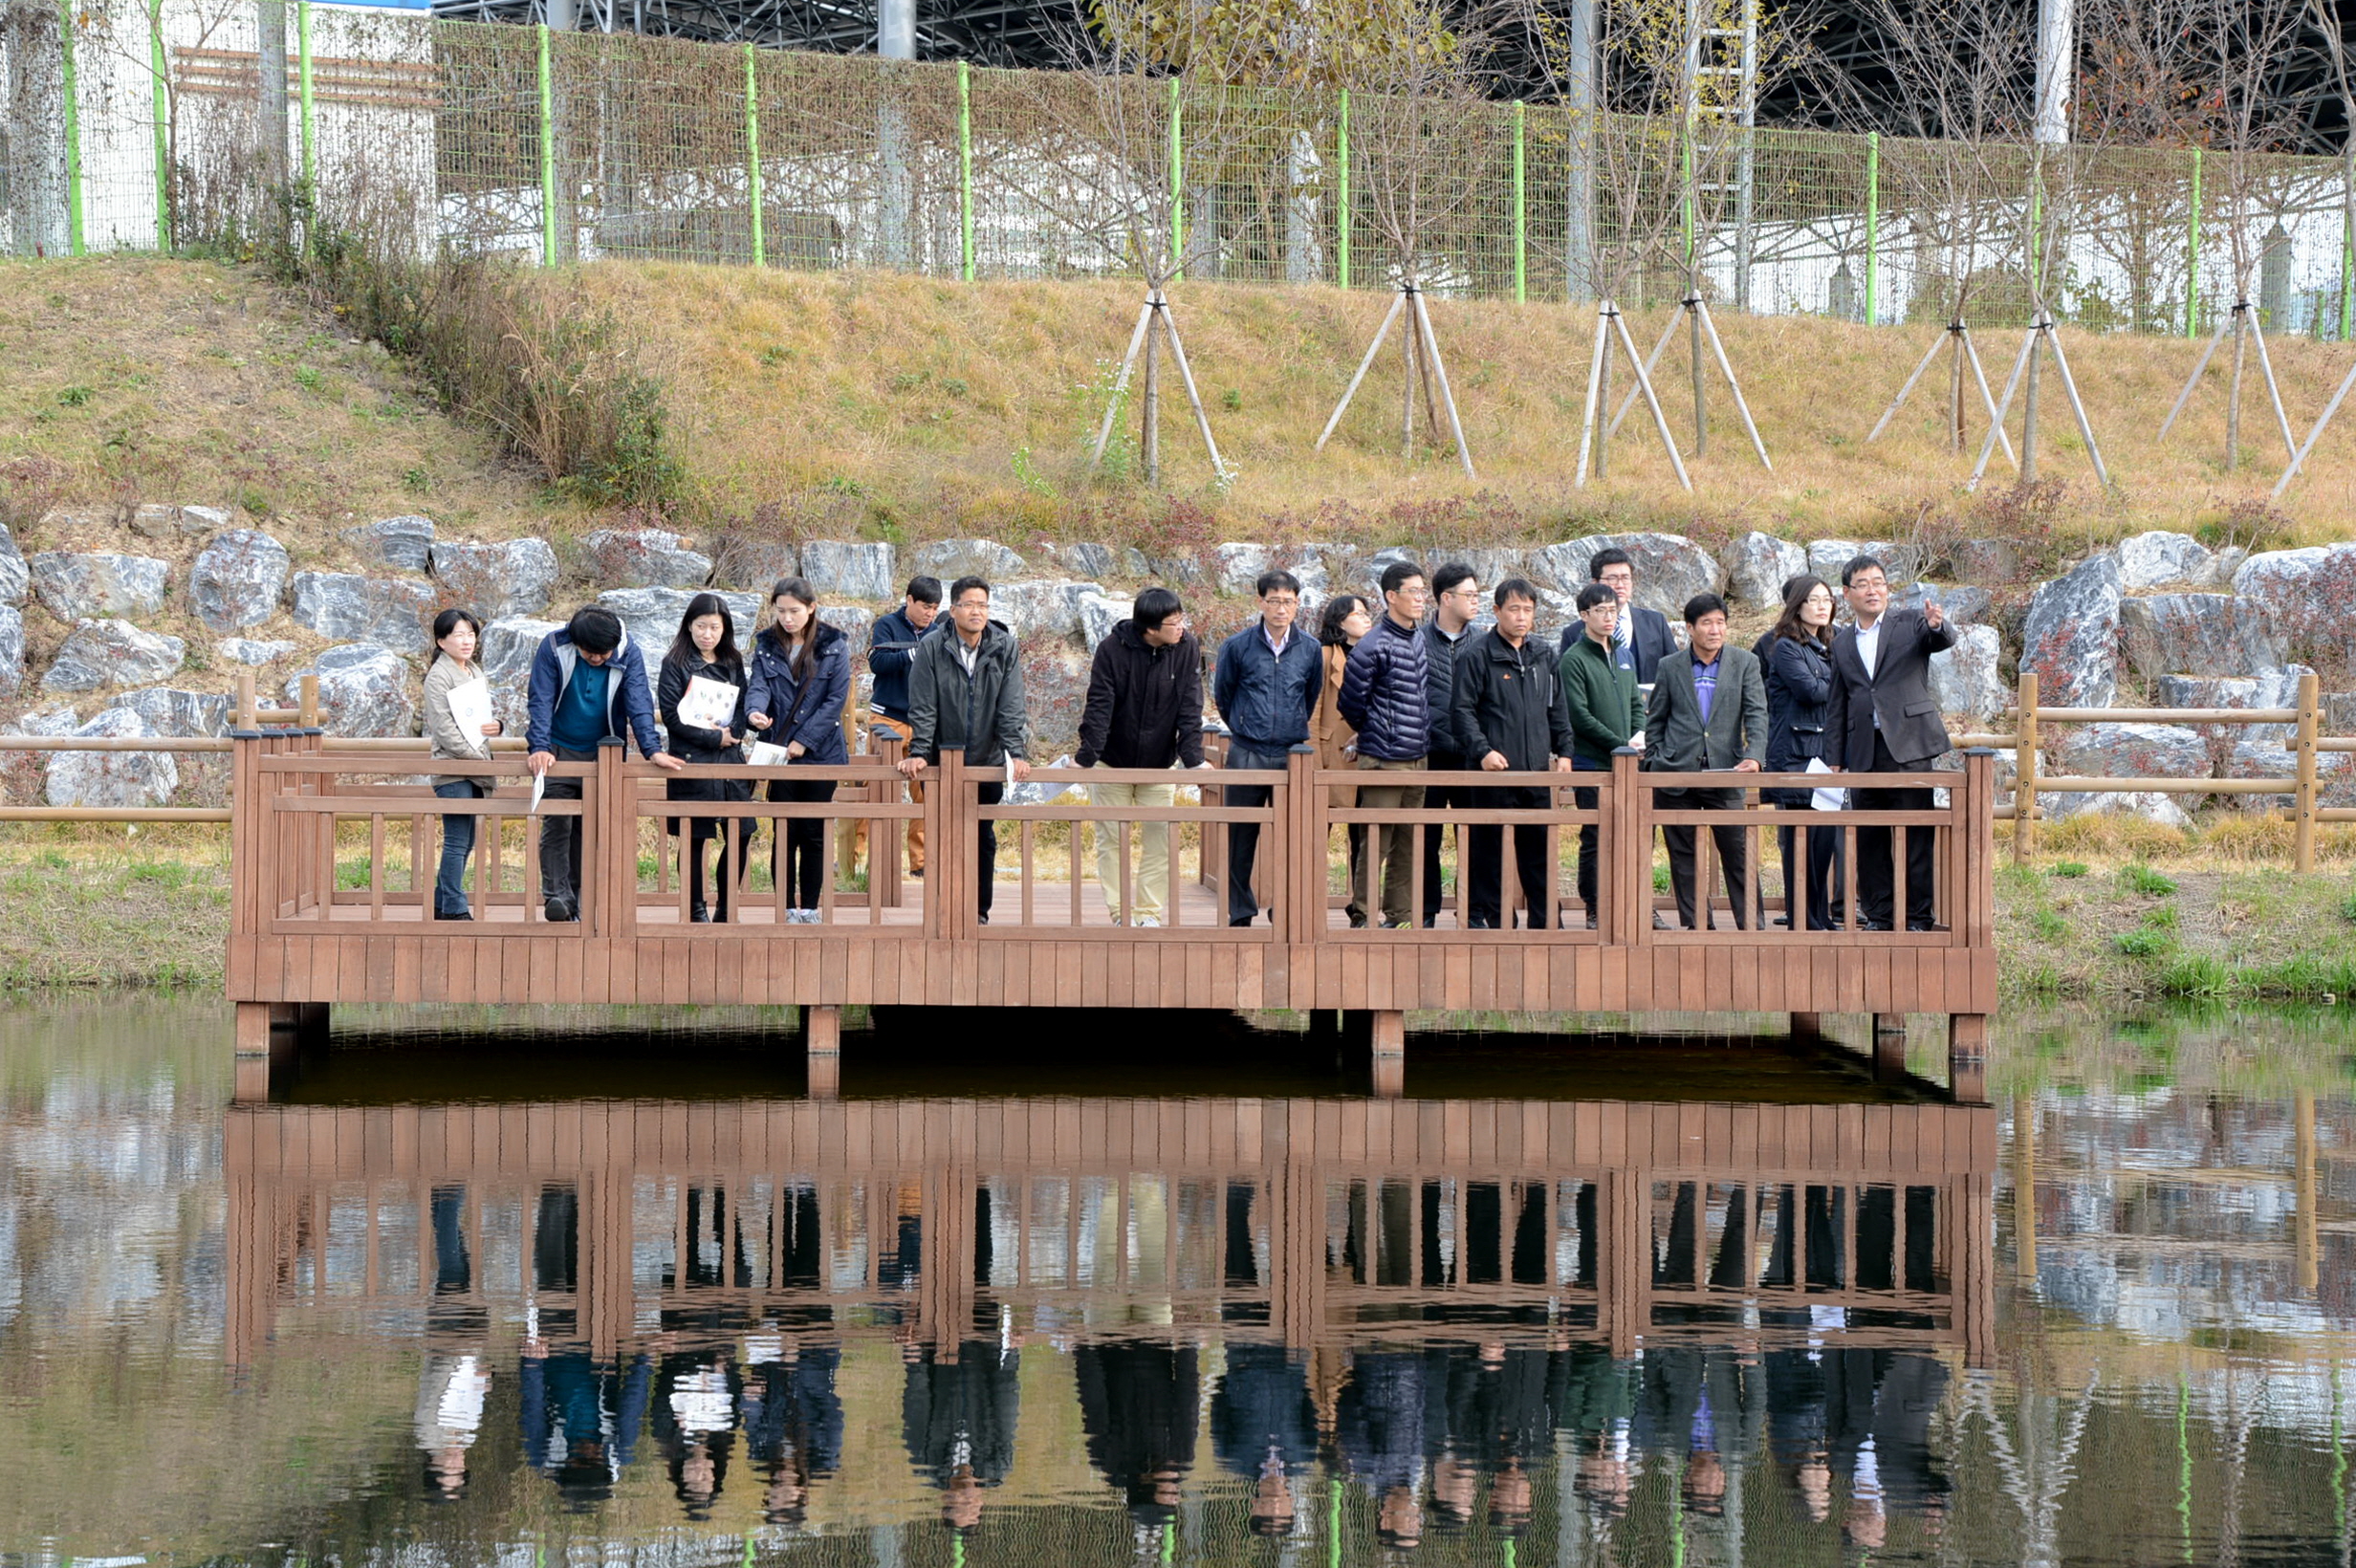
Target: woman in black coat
[801, 677]
[706, 648]
[1799, 658]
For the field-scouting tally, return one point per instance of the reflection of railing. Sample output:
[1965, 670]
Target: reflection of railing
[1314, 1221]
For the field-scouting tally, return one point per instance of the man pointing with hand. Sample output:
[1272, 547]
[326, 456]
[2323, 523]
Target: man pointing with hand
[1884, 720]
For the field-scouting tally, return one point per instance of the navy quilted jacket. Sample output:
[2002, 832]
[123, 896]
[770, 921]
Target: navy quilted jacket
[1384, 693]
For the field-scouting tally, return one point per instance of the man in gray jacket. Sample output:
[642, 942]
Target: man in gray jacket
[1708, 713]
[966, 689]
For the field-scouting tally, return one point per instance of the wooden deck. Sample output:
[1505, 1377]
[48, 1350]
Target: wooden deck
[335, 849]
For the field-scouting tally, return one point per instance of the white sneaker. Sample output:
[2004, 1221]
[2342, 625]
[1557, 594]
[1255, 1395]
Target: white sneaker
[1148, 920]
[802, 917]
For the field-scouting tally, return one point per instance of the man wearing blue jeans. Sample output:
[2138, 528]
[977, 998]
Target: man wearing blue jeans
[588, 682]
[1266, 685]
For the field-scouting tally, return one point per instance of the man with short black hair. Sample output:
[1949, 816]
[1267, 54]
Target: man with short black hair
[1884, 720]
[1386, 694]
[1446, 631]
[1144, 709]
[891, 653]
[588, 682]
[1512, 718]
[964, 689]
[1607, 712]
[1642, 638]
[1707, 714]
[1266, 685]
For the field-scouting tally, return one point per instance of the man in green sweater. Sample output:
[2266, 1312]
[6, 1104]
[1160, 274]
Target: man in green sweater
[1606, 713]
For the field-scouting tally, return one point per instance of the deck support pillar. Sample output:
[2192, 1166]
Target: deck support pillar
[821, 1038]
[311, 1025]
[1807, 1028]
[1967, 1057]
[1890, 1023]
[1888, 1052]
[265, 1048]
[1389, 1039]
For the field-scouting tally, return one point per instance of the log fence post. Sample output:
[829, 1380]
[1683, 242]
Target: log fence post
[2024, 770]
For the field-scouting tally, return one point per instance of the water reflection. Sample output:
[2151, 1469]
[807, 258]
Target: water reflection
[1089, 1329]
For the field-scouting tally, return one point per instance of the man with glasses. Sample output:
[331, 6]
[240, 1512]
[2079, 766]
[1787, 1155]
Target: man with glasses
[1456, 599]
[1385, 693]
[1144, 709]
[1884, 720]
[1266, 685]
[1642, 638]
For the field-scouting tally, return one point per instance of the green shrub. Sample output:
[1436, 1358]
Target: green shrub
[2139, 878]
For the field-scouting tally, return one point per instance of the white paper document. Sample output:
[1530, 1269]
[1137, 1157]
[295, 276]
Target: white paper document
[708, 705]
[539, 788]
[1827, 798]
[766, 755]
[471, 710]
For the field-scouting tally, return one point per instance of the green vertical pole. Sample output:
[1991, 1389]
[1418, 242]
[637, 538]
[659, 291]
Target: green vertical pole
[1177, 190]
[1341, 201]
[1873, 227]
[157, 66]
[548, 155]
[2192, 255]
[309, 104]
[965, 170]
[1333, 1486]
[73, 129]
[753, 158]
[1522, 215]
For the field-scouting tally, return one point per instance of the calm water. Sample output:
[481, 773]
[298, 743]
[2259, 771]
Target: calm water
[610, 1296]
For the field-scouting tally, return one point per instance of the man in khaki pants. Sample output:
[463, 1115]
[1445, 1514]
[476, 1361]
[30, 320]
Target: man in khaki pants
[1384, 693]
[1144, 709]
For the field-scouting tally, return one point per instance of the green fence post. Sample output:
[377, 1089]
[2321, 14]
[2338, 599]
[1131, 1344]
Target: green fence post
[2192, 255]
[1873, 228]
[309, 104]
[548, 155]
[1522, 215]
[73, 128]
[1342, 197]
[157, 66]
[752, 154]
[965, 170]
[1177, 190]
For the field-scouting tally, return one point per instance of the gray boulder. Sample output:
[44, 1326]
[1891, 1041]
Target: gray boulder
[840, 570]
[1901, 563]
[1669, 567]
[1100, 613]
[949, 560]
[1183, 570]
[78, 585]
[2310, 594]
[112, 778]
[169, 710]
[236, 578]
[2157, 558]
[642, 557]
[651, 616]
[14, 578]
[493, 581]
[203, 519]
[1239, 568]
[744, 560]
[508, 646]
[1963, 603]
[109, 653]
[1043, 608]
[11, 649]
[2151, 806]
[2197, 633]
[244, 650]
[855, 621]
[2133, 751]
[156, 520]
[1095, 560]
[395, 612]
[1756, 565]
[1055, 687]
[2071, 638]
[2270, 757]
[1985, 561]
[405, 542]
[49, 721]
[1965, 680]
[364, 690]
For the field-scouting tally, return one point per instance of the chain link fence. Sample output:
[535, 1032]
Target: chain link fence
[135, 124]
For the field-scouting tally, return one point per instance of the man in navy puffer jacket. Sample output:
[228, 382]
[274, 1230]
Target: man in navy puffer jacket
[1383, 693]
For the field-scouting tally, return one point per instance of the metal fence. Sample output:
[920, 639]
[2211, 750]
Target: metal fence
[559, 147]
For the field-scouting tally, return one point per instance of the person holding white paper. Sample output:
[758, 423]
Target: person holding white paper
[1798, 660]
[711, 731]
[458, 726]
[801, 677]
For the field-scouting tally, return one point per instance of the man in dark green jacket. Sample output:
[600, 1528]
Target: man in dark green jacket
[1605, 710]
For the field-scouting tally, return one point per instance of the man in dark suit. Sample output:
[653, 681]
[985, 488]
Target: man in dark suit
[1642, 640]
[1709, 711]
[1883, 720]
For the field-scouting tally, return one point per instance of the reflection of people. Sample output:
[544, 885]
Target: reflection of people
[1137, 1406]
[1263, 1427]
[958, 1421]
[695, 1422]
[450, 1414]
[792, 1420]
[580, 1420]
[1378, 1428]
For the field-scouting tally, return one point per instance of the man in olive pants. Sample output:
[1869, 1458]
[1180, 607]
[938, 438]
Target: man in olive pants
[1385, 693]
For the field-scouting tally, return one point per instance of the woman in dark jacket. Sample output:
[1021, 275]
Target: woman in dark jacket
[1799, 690]
[706, 648]
[801, 674]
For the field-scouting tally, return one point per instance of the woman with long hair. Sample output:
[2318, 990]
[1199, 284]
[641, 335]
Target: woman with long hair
[1345, 620]
[456, 636]
[706, 649]
[1799, 659]
[801, 674]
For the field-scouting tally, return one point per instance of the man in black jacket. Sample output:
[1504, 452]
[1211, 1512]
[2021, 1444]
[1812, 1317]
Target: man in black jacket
[1642, 637]
[1884, 720]
[1144, 709]
[1447, 633]
[966, 689]
[1511, 717]
[891, 653]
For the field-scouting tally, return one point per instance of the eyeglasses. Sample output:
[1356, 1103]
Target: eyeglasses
[1281, 602]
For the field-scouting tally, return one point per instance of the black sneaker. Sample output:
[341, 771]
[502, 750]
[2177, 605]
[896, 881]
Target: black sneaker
[561, 911]
[917, 872]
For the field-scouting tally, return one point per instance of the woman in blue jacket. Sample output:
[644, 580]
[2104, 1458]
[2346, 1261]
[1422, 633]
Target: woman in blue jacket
[1799, 690]
[801, 674]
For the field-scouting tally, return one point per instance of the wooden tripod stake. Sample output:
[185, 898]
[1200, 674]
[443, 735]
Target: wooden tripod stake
[2241, 322]
[2039, 334]
[1154, 319]
[1594, 430]
[1424, 368]
[1704, 334]
[1967, 355]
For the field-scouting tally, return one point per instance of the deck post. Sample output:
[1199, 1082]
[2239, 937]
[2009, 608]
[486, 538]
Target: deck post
[1388, 1037]
[311, 1025]
[1298, 850]
[889, 746]
[1888, 1049]
[1623, 882]
[948, 853]
[1967, 1057]
[609, 847]
[821, 1038]
[262, 1051]
[1807, 1027]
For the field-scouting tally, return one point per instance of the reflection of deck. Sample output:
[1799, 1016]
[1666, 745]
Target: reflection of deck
[1632, 1222]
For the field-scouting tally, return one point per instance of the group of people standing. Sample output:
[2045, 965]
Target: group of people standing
[1389, 687]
